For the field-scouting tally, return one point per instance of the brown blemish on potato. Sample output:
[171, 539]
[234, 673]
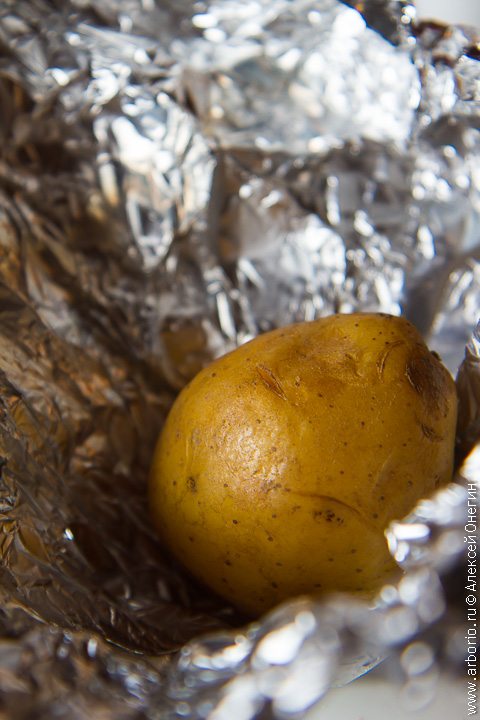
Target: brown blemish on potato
[317, 514]
[270, 381]
[430, 433]
[192, 484]
[382, 358]
[427, 379]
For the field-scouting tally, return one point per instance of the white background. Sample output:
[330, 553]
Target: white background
[460, 11]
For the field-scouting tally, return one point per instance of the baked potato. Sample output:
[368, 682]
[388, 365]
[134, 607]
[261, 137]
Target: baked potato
[281, 463]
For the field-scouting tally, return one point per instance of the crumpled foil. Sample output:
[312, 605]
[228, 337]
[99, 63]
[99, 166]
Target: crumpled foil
[175, 178]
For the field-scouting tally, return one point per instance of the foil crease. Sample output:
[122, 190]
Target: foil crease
[174, 179]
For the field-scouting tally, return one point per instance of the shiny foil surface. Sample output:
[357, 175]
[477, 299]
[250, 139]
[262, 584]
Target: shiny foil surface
[175, 178]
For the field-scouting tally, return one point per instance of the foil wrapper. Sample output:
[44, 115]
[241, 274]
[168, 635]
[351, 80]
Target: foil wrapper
[174, 179]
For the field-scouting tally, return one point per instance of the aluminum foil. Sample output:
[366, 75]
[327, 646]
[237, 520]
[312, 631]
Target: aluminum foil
[174, 179]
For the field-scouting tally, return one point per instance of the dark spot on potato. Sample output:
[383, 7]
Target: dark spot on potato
[224, 580]
[353, 551]
[279, 564]
[191, 538]
[345, 444]
[214, 374]
[362, 423]
[428, 379]
[320, 395]
[192, 484]
[270, 381]
[358, 570]
[174, 483]
[430, 433]
[329, 515]
[235, 522]
[410, 483]
[227, 562]
[318, 585]
[382, 497]
[274, 585]
[225, 485]
[342, 472]
[330, 559]
[382, 358]
[274, 515]
[375, 516]
[330, 406]
[270, 538]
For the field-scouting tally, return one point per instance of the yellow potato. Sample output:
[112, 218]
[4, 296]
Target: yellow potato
[281, 463]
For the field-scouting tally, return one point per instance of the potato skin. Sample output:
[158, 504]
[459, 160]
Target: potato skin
[281, 463]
